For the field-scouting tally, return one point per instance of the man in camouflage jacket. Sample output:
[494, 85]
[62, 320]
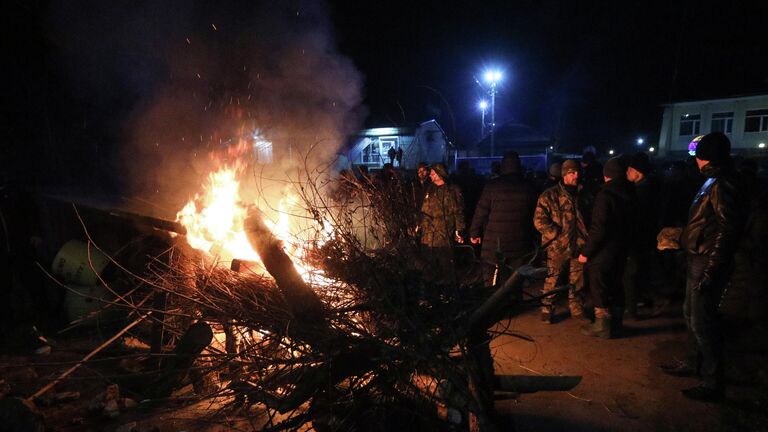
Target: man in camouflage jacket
[560, 222]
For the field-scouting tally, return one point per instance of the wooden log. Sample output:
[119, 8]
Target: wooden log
[194, 341]
[303, 303]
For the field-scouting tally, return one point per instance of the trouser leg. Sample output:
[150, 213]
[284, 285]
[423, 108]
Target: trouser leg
[555, 267]
[631, 280]
[576, 287]
[705, 323]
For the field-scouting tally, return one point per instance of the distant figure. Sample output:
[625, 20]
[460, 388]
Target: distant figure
[605, 251]
[392, 153]
[502, 220]
[421, 185]
[471, 186]
[553, 175]
[710, 240]
[399, 157]
[388, 175]
[642, 261]
[559, 220]
[442, 222]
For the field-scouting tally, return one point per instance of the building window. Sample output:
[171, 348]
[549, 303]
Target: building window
[371, 153]
[756, 121]
[722, 122]
[377, 152]
[690, 124]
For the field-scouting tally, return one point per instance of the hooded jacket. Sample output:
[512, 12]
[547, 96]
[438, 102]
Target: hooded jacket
[715, 221]
[610, 231]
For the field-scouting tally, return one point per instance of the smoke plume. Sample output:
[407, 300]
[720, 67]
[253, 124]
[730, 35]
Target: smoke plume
[197, 78]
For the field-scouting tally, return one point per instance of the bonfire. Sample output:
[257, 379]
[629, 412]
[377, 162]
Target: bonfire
[319, 312]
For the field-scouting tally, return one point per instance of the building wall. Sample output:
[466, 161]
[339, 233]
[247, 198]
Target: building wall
[670, 139]
[426, 143]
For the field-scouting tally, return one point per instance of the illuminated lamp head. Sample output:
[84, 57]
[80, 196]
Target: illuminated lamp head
[693, 144]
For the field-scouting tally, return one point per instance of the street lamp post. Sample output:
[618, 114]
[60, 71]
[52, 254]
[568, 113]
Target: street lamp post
[492, 78]
[483, 107]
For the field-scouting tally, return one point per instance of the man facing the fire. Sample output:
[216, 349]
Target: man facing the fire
[442, 221]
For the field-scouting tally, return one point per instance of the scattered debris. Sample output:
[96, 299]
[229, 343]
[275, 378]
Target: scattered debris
[43, 350]
[51, 399]
[109, 403]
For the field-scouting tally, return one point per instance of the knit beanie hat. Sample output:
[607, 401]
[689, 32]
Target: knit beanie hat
[714, 147]
[613, 169]
[569, 166]
[440, 169]
[641, 163]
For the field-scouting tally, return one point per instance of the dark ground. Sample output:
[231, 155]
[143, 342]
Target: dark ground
[623, 388]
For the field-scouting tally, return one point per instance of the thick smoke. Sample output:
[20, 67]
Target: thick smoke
[205, 76]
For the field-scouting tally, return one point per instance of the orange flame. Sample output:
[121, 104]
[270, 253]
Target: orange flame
[214, 222]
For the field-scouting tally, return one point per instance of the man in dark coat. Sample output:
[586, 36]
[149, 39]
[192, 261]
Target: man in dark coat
[715, 222]
[642, 262]
[502, 220]
[605, 252]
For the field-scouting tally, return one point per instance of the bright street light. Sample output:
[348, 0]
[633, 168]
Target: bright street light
[610, 152]
[640, 141]
[651, 149]
[492, 76]
[483, 104]
[761, 145]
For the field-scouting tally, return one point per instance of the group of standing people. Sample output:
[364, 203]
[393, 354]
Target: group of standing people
[591, 233]
[597, 227]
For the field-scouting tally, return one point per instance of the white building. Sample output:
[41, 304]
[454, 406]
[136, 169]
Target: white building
[744, 119]
[425, 142]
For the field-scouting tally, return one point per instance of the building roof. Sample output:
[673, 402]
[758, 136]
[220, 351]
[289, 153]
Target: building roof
[723, 99]
[517, 137]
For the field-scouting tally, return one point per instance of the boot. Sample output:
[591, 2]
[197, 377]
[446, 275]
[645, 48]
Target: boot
[600, 328]
[577, 311]
[547, 315]
[679, 369]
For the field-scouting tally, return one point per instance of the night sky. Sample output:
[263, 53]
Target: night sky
[601, 68]
[585, 73]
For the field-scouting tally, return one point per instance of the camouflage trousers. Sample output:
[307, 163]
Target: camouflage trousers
[558, 266]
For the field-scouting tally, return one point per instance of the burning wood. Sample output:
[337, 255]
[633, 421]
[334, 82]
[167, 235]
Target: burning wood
[373, 340]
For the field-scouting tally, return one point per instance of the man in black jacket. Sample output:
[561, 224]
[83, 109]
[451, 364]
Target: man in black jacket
[605, 252]
[502, 220]
[710, 238]
[641, 262]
